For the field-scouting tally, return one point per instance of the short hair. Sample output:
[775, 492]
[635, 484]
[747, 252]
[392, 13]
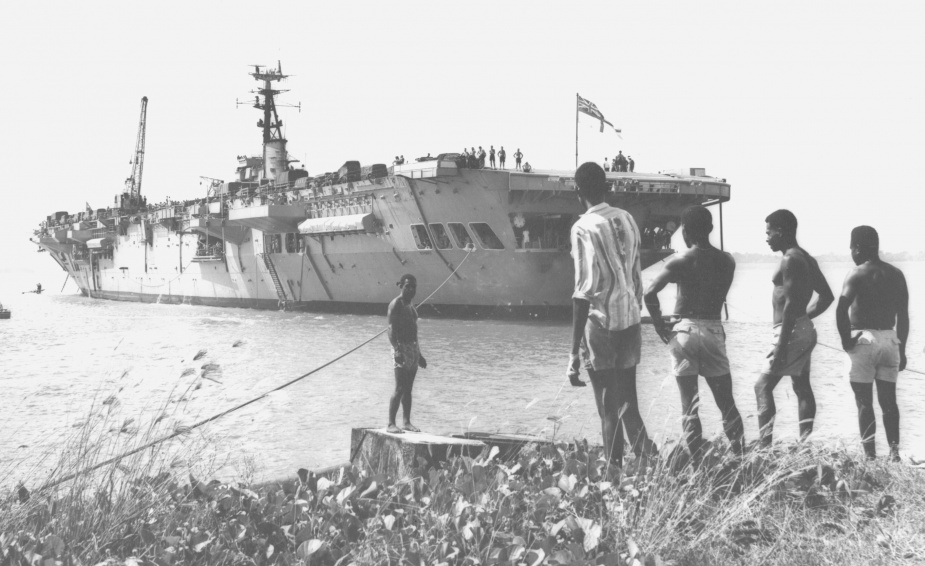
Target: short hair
[406, 277]
[591, 179]
[865, 237]
[783, 219]
[697, 220]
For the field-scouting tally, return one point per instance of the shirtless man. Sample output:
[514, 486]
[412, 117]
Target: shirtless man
[403, 334]
[797, 277]
[873, 299]
[697, 342]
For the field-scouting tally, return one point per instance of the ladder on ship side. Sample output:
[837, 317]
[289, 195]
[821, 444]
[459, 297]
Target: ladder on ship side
[280, 291]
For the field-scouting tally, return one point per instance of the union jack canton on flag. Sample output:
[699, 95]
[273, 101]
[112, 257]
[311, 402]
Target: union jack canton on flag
[589, 108]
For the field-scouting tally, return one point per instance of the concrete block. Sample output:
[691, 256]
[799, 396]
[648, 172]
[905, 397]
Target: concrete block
[407, 454]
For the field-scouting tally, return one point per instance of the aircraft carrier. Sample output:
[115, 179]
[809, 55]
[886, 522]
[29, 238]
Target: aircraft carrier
[275, 237]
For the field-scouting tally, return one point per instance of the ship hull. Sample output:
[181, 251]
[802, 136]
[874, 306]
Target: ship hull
[343, 250]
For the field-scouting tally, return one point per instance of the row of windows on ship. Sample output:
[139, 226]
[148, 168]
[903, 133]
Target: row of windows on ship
[547, 233]
[425, 239]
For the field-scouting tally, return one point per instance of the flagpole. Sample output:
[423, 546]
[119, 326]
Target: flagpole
[576, 130]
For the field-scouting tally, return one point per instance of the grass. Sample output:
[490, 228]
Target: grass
[794, 504]
[553, 504]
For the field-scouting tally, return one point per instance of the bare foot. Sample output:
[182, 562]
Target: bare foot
[394, 429]
[410, 427]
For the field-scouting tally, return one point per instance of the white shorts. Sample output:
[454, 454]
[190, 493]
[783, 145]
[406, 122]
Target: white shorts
[876, 356]
[799, 349]
[698, 347]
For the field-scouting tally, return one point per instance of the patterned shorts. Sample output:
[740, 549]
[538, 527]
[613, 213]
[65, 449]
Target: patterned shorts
[405, 355]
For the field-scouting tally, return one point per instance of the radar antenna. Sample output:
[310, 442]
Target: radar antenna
[133, 183]
[275, 158]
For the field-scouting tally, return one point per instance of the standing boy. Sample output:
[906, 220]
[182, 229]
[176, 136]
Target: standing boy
[406, 354]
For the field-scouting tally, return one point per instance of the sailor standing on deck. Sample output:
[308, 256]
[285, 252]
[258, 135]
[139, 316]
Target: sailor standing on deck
[797, 278]
[501, 156]
[874, 299]
[606, 303]
[697, 342]
[491, 157]
[406, 354]
[517, 157]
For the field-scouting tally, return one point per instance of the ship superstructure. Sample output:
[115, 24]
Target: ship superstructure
[276, 237]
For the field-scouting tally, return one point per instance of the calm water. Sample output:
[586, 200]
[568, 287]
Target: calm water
[60, 354]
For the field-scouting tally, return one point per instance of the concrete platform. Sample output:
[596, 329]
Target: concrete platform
[407, 454]
[509, 445]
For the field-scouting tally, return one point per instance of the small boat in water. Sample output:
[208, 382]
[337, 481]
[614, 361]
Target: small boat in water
[4, 313]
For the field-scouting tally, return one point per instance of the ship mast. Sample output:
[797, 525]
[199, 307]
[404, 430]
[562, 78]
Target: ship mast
[133, 183]
[275, 158]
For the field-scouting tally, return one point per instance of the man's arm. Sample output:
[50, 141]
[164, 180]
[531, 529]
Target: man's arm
[670, 274]
[581, 305]
[580, 308]
[824, 297]
[791, 272]
[849, 293]
[393, 322]
[902, 319]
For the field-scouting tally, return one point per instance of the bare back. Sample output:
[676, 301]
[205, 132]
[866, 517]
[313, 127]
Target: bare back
[703, 279]
[880, 292]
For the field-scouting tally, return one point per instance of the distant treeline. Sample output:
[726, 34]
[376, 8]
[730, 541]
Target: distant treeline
[770, 258]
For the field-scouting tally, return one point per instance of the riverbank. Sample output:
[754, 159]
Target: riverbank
[794, 504]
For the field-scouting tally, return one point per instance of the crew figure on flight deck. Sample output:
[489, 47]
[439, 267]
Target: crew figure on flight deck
[481, 158]
[606, 166]
[491, 157]
[619, 163]
[501, 155]
[517, 157]
[632, 163]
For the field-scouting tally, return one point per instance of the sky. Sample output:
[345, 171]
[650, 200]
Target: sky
[812, 106]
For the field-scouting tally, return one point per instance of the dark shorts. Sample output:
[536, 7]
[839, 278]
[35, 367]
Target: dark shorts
[611, 349]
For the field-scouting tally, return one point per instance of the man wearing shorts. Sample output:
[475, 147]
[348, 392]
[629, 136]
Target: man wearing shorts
[797, 278]
[697, 342]
[873, 300]
[605, 325]
[517, 157]
[406, 354]
[501, 156]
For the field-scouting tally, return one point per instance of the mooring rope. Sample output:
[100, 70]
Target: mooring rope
[187, 429]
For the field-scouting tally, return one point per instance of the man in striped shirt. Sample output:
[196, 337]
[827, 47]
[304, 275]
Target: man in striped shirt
[606, 333]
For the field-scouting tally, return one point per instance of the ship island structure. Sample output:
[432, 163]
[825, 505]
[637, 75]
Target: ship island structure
[275, 237]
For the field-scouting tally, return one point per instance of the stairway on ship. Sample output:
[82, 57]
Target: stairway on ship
[280, 291]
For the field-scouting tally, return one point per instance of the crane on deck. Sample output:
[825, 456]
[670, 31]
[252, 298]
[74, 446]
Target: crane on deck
[133, 183]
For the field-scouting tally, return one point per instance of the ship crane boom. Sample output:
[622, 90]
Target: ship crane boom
[133, 183]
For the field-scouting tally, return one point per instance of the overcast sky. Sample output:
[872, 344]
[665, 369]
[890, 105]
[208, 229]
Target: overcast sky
[812, 106]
